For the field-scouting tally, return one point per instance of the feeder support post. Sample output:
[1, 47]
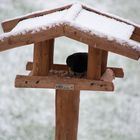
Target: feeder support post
[67, 114]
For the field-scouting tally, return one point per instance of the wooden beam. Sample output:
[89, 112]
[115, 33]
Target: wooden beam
[43, 57]
[51, 52]
[117, 71]
[29, 66]
[24, 39]
[60, 67]
[136, 34]
[136, 37]
[10, 24]
[55, 82]
[94, 63]
[67, 114]
[40, 67]
[104, 61]
[102, 43]
[14, 41]
[108, 75]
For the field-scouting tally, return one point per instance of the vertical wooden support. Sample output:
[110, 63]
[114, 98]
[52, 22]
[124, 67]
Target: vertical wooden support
[67, 113]
[104, 61]
[51, 51]
[94, 63]
[43, 57]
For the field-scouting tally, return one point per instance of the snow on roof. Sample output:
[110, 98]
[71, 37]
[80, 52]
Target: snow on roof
[78, 17]
[40, 22]
[104, 25]
[73, 12]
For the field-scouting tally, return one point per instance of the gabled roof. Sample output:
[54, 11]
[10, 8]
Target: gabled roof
[77, 22]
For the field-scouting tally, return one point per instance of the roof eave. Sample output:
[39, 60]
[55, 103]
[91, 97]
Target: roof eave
[31, 37]
[8, 25]
[65, 29]
[102, 43]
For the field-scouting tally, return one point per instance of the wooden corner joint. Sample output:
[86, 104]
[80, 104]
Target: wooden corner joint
[111, 73]
[118, 72]
[108, 76]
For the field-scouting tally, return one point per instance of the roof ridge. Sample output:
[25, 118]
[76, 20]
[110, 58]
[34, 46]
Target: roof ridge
[73, 12]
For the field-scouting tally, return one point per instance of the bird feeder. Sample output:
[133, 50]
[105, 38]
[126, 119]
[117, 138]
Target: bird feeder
[101, 32]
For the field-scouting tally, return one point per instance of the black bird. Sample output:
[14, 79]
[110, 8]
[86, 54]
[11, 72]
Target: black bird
[77, 62]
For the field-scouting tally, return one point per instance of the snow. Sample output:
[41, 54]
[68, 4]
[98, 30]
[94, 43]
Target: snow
[78, 17]
[36, 24]
[111, 15]
[31, 13]
[104, 25]
[134, 44]
[48, 20]
[73, 12]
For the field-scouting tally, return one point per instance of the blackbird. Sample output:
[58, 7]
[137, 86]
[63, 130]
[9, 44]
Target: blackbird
[77, 62]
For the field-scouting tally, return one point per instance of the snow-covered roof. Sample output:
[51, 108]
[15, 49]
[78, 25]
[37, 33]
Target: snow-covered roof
[77, 17]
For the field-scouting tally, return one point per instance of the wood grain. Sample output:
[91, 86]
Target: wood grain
[104, 61]
[135, 37]
[43, 57]
[94, 63]
[30, 37]
[51, 81]
[117, 71]
[29, 66]
[102, 43]
[67, 114]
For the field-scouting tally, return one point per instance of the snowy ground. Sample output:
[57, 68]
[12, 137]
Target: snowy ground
[29, 113]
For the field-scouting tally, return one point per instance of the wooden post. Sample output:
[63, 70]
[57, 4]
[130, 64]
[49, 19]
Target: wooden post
[67, 113]
[94, 63]
[104, 61]
[51, 51]
[43, 58]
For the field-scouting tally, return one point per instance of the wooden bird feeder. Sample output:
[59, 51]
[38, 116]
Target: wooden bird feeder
[102, 33]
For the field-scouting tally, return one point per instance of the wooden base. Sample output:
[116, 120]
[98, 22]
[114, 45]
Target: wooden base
[64, 83]
[58, 81]
[67, 113]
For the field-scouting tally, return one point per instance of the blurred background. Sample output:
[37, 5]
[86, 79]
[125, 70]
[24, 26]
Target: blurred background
[30, 113]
